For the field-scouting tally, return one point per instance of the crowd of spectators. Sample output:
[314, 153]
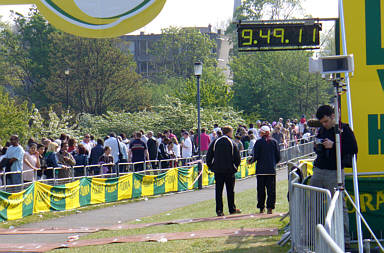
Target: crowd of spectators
[115, 152]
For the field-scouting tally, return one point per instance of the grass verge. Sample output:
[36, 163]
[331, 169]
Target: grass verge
[246, 201]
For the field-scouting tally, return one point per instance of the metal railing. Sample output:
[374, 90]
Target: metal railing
[308, 207]
[67, 174]
[331, 239]
[325, 243]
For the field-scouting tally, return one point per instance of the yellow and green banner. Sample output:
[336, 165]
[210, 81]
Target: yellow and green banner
[40, 197]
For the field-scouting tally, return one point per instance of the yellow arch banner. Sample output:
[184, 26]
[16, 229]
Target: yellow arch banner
[96, 18]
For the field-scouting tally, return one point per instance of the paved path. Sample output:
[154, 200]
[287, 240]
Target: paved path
[125, 212]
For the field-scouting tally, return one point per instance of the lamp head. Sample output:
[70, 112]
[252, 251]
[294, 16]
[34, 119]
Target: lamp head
[198, 69]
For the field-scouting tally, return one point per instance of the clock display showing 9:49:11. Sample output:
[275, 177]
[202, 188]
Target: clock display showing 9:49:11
[279, 36]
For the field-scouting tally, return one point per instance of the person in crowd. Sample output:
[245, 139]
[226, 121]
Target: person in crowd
[106, 160]
[62, 138]
[113, 144]
[50, 160]
[238, 143]
[301, 124]
[43, 164]
[216, 127]
[124, 139]
[138, 153]
[251, 143]
[66, 161]
[171, 134]
[219, 134]
[15, 155]
[205, 140]
[186, 147]
[152, 149]
[96, 153]
[254, 130]
[81, 158]
[245, 138]
[266, 153]
[278, 136]
[163, 152]
[143, 137]
[123, 155]
[175, 147]
[223, 158]
[159, 138]
[88, 145]
[213, 135]
[325, 164]
[93, 141]
[72, 145]
[31, 164]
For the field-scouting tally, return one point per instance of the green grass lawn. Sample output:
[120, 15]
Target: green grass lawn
[246, 201]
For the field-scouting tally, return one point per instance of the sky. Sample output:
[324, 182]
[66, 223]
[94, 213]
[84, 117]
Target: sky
[187, 13]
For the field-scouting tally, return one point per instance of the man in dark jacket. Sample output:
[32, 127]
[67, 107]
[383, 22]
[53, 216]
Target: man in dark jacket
[223, 158]
[96, 153]
[152, 149]
[325, 166]
[266, 153]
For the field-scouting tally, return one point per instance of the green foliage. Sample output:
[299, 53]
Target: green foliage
[277, 84]
[26, 48]
[179, 48]
[101, 77]
[14, 118]
[214, 91]
[172, 114]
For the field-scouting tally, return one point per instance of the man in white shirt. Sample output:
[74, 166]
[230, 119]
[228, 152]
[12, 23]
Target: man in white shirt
[186, 146]
[113, 144]
[88, 145]
[254, 131]
[216, 128]
[15, 154]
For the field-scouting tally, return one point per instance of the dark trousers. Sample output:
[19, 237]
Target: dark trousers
[229, 181]
[266, 182]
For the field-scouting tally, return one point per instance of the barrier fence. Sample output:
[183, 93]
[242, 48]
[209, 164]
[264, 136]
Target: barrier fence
[58, 194]
[308, 207]
[330, 238]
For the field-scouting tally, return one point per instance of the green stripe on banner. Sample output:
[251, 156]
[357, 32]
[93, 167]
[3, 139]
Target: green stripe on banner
[183, 179]
[111, 190]
[4, 205]
[85, 191]
[58, 198]
[159, 184]
[28, 197]
[137, 182]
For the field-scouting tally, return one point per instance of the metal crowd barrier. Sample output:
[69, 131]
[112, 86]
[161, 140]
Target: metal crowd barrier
[325, 243]
[330, 237]
[308, 207]
[65, 175]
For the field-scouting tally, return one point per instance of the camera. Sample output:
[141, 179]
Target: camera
[319, 141]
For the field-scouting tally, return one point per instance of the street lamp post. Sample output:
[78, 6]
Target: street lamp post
[66, 72]
[198, 72]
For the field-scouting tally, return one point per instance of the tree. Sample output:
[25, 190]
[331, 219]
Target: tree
[277, 84]
[179, 48]
[14, 118]
[25, 46]
[268, 9]
[101, 77]
[214, 91]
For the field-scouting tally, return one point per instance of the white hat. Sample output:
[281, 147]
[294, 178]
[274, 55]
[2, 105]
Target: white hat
[265, 129]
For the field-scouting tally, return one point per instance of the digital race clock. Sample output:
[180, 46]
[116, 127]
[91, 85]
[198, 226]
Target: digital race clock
[278, 36]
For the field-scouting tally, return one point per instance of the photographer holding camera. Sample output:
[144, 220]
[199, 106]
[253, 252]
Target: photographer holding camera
[325, 165]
